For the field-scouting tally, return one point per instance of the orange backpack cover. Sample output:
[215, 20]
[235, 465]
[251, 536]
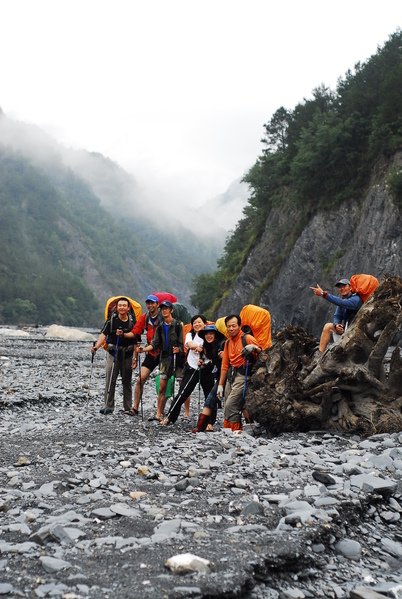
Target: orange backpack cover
[259, 320]
[110, 307]
[364, 285]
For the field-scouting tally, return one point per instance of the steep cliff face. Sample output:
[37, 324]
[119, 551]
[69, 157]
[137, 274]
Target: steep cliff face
[361, 236]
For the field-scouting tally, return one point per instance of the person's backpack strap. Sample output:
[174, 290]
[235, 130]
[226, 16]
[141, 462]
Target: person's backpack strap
[178, 328]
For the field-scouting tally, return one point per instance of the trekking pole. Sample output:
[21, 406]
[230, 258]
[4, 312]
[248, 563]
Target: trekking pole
[141, 388]
[174, 372]
[92, 363]
[199, 389]
[243, 397]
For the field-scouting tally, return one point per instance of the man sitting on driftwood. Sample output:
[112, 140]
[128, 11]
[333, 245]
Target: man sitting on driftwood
[347, 306]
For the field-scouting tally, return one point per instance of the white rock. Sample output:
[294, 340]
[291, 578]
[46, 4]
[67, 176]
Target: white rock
[13, 333]
[187, 562]
[125, 464]
[68, 333]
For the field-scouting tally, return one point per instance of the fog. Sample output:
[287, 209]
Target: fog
[119, 191]
[175, 92]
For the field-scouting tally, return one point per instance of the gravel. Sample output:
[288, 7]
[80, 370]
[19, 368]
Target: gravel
[116, 506]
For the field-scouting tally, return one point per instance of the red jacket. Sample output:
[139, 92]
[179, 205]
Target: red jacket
[144, 323]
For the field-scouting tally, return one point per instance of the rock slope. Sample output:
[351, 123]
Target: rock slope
[361, 236]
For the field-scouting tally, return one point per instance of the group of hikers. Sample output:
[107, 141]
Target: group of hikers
[220, 364]
[203, 357]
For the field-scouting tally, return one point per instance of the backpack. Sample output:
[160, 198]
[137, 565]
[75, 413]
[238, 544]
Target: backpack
[110, 307]
[110, 312]
[259, 322]
[220, 325]
[180, 312]
[364, 286]
[165, 295]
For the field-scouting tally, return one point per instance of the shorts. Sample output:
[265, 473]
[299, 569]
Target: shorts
[166, 368]
[150, 362]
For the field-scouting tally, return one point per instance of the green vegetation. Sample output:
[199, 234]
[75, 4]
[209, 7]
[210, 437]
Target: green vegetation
[62, 254]
[317, 156]
[37, 285]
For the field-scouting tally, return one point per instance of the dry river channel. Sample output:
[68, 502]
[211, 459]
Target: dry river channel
[95, 506]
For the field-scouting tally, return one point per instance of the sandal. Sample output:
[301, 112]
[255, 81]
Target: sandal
[165, 421]
[133, 412]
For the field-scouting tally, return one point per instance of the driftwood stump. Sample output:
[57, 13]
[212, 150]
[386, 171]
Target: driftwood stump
[350, 387]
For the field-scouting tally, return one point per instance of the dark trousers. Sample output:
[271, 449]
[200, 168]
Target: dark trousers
[121, 365]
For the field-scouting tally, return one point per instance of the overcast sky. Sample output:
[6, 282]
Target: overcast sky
[177, 91]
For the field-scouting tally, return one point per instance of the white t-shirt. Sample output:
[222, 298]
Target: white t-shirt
[192, 355]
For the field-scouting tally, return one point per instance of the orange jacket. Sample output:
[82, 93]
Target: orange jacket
[232, 352]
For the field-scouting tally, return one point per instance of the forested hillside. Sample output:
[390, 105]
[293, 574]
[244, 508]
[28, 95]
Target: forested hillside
[62, 254]
[317, 159]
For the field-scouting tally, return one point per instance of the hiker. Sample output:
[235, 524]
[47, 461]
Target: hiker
[148, 322]
[347, 306]
[235, 371]
[117, 333]
[213, 351]
[196, 369]
[168, 339]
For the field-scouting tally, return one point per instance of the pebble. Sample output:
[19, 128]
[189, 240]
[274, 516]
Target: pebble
[298, 516]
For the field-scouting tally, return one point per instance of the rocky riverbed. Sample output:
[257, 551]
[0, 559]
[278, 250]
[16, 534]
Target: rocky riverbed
[95, 506]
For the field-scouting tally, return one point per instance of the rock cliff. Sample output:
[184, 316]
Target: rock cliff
[363, 235]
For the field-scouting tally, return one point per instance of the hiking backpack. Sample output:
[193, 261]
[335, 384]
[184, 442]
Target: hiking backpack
[364, 285]
[259, 322]
[180, 312]
[110, 312]
[110, 307]
[165, 295]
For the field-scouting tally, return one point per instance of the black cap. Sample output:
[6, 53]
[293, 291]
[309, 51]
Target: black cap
[166, 304]
[342, 282]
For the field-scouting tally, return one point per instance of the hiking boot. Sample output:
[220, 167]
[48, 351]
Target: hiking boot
[203, 420]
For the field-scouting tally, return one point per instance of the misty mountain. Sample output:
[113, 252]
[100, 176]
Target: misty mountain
[226, 209]
[73, 231]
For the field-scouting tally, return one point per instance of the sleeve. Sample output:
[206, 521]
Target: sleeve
[225, 361]
[157, 339]
[139, 325]
[253, 340]
[187, 339]
[352, 303]
[338, 315]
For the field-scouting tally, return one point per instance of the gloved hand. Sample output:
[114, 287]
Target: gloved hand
[248, 349]
[219, 392]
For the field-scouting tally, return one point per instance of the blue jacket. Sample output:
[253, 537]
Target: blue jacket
[346, 309]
